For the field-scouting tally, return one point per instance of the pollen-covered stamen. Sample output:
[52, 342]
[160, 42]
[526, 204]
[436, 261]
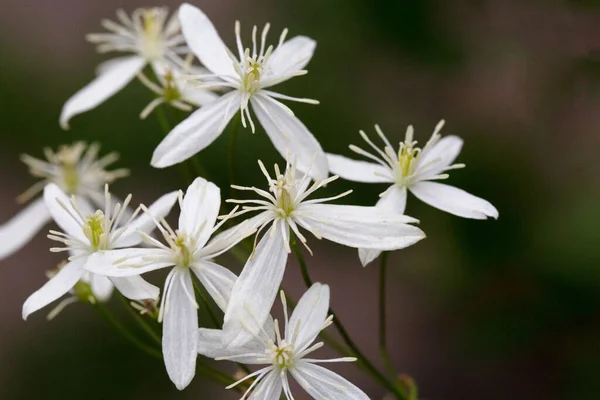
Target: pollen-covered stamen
[94, 231]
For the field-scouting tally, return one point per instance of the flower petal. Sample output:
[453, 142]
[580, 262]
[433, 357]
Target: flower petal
[21, 228]
[114, 76]
[127, 262]
[453, 200]
[308, 317]
[136, 288]
[217, 280]
[255, 290]
[180, 331]
[360, 227]
[293, 55]
[63, 213]
[445, 151]
[200, 210]
[394, 200]
[358, 171]
[210, 344]
[269, 388]
[290, 137]
[57, 286]
[230, 237]
[197, 131]
[322, 383]
[101, 286]
[145, 223]
[203, 39]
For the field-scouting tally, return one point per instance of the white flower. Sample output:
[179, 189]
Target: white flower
[77, 170]
[148, 34]
[288, 354]
[188, 249]
[413, 169]
[287, 207]
[250, 77]
[86, 232]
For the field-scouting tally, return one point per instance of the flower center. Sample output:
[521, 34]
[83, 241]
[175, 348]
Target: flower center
[181, 246]
[408, 157]
[252, 69]
[152, 46]
[282, 355]
[170, 91]
[284, 189]
[94, 231]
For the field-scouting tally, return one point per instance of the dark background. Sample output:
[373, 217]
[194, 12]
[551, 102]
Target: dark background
[506, 309]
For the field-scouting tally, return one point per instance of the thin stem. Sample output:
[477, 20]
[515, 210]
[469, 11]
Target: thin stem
[211, 313]
[361, 359]
[235, 124]
[141, 322]
[166, 127]
[383, 350]
[125, 332]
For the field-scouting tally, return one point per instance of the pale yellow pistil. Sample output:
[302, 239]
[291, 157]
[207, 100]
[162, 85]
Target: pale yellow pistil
[94, 231]
[282, 355]
[181, 247]
[152, 34]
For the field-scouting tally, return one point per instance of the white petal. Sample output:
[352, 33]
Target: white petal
[293, 55]
[203, 39]
[217, 280]
[63, 213]
[101, 286]
[360, 227]
[358, 171]
[200, 210]
[113, 77]
[255, 290]
[180, 332]
[453, 200]
[290, 136]
[22, 227]
[60, 284]
[159, 209]
[138, 261]
[136, 288]
[308, 317]
[197, 96]
[197, 131]
[445, 150]
[269, 388]
[210, 344]
[322, 383]
[230, 237]
[393, 200]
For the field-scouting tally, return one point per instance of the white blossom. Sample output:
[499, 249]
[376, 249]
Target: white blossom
[152, 38]
[250, 78]
[412, 169]
[287, 354]
[86, 232]
[77, 170]
[285, 207]
[188, 249]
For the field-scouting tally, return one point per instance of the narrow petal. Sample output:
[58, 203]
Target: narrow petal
[217, 280]
[63, 213]
[255, 290]
[269, 388]
[127, 262]
[203, 39]
[393, 200]
[322, 383]
[292, 56]
[358, 171]
[360, 227]
[60, 284]
[308, 317]
[113, 77]
[444, 151]
[101, 286]
[197, 131]
[453, 200]
[21, 228]
[290, 137]
[200, 210]
[136, 288]
[145, 223]
[210, 344]
[180, 332]
[230, 237]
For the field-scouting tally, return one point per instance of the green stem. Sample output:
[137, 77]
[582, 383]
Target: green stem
[211, 314]
[231, 151]
[141, 322]
[166, 127]
[383, 350]
[125, 332]
[361, 359]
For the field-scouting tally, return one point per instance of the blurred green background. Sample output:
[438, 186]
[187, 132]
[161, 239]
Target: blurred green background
[506, 309]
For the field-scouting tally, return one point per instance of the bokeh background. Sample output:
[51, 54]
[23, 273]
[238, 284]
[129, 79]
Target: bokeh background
[506, 309]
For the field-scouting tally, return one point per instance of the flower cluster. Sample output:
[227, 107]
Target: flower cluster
[111, 245]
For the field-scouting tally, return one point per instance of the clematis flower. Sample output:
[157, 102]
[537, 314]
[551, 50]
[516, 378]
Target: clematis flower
[412, 169]
[250, 77]
[147, 33]
[287, 354]
[86, 232]
[286, 208]
[188, 250]
[77, 170]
